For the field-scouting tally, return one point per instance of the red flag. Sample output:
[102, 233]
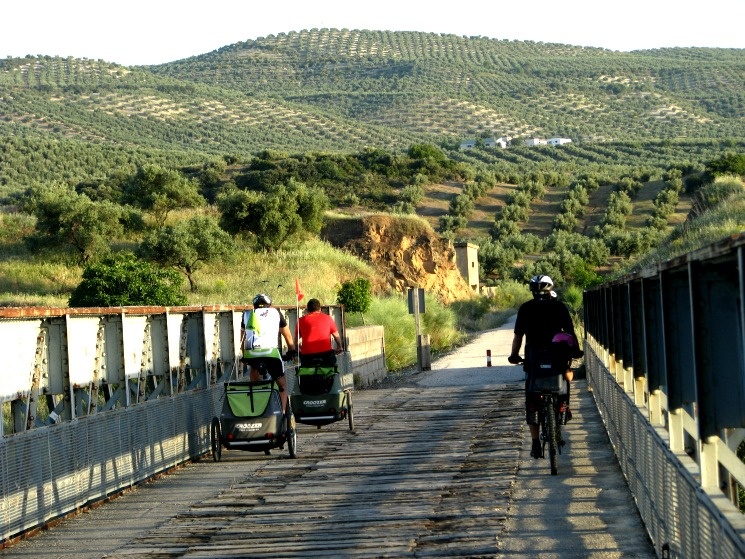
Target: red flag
[298, 290]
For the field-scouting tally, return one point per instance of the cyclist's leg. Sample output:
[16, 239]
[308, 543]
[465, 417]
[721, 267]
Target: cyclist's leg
[282, 382]
[532, 411]
[565, 413]
[277, 372]
[559, 402]
[253, 370]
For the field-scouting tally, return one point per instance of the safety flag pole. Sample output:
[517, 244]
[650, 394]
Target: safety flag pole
[298, 296]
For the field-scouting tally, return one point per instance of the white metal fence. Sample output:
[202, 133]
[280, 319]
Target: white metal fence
[53, 470]
[665, 355]
[96, 400]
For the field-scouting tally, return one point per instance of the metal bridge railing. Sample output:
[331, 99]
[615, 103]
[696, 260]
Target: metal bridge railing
[96, 400]
[665, 355]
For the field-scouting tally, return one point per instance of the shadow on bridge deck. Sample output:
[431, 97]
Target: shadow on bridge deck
[587, 510]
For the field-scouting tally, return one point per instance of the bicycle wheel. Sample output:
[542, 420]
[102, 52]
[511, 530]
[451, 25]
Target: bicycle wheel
[552, 434]
[543, 429]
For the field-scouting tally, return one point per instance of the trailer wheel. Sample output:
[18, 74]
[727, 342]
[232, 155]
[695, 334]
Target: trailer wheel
[291, 432]
[215, 440]
[350, 411]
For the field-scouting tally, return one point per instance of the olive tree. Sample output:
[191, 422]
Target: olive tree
[271, 218]
[68, 220]
[159, 191]
[187, 245]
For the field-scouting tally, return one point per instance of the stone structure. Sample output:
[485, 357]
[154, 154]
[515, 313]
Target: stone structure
[467, 260]
[366, 351]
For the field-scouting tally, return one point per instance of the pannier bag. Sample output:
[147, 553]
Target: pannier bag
[546, 368]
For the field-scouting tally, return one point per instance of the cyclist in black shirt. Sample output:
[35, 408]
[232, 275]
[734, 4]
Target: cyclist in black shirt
[539, 320]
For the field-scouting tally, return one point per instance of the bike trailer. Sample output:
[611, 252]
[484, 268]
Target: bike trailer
[320, 396]
[251, 416]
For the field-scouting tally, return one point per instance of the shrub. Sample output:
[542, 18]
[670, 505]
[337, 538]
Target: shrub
[356, 296]
[400, 329]
[440, 323]
[511, 294]
[123, 280]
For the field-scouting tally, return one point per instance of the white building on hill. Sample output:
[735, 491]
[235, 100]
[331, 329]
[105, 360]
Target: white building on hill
[530, 142]
[494, 142]
[558, 141]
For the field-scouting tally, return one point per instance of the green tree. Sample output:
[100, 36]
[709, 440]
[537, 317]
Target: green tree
[356, 296]
[187, 245]
[731, 164]
[451, 223]
[496, 259]
[239, 209]
[273, 217]
[159, 191]
[123, 280]
[65, 219]
[312, 205]
[412, 194]
[278, 218]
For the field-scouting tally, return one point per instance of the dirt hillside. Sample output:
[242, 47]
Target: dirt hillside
[405, 251]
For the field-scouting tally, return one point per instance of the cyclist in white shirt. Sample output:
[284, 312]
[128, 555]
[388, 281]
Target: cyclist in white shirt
[260, 331]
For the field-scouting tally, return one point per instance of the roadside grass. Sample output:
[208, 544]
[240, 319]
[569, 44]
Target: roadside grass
[487, 312]
[29, 280]
[319, 268]
[399, 327]
[447, 326]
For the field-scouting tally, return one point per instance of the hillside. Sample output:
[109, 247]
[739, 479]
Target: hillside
[340, 110]
[445, 86]
[342, 90]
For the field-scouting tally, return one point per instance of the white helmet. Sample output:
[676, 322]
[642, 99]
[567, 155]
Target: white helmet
[541, 285]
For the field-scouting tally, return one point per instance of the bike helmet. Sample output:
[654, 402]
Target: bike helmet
[262, 300]
[541, 286]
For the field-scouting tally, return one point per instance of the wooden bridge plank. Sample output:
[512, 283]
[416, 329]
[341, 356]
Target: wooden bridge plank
[422, 475]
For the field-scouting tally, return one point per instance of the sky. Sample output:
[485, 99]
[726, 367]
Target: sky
[140, 32]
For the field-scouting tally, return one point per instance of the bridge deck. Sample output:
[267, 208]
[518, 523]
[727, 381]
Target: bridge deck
[437, 465]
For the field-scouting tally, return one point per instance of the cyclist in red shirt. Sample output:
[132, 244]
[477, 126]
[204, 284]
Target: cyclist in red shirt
[316, 329]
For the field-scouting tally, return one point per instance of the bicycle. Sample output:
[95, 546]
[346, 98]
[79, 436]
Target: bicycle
[549, 386]
[550, 428]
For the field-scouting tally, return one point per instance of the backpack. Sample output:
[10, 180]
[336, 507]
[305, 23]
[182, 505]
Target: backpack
[546, 365]
[546, 361]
